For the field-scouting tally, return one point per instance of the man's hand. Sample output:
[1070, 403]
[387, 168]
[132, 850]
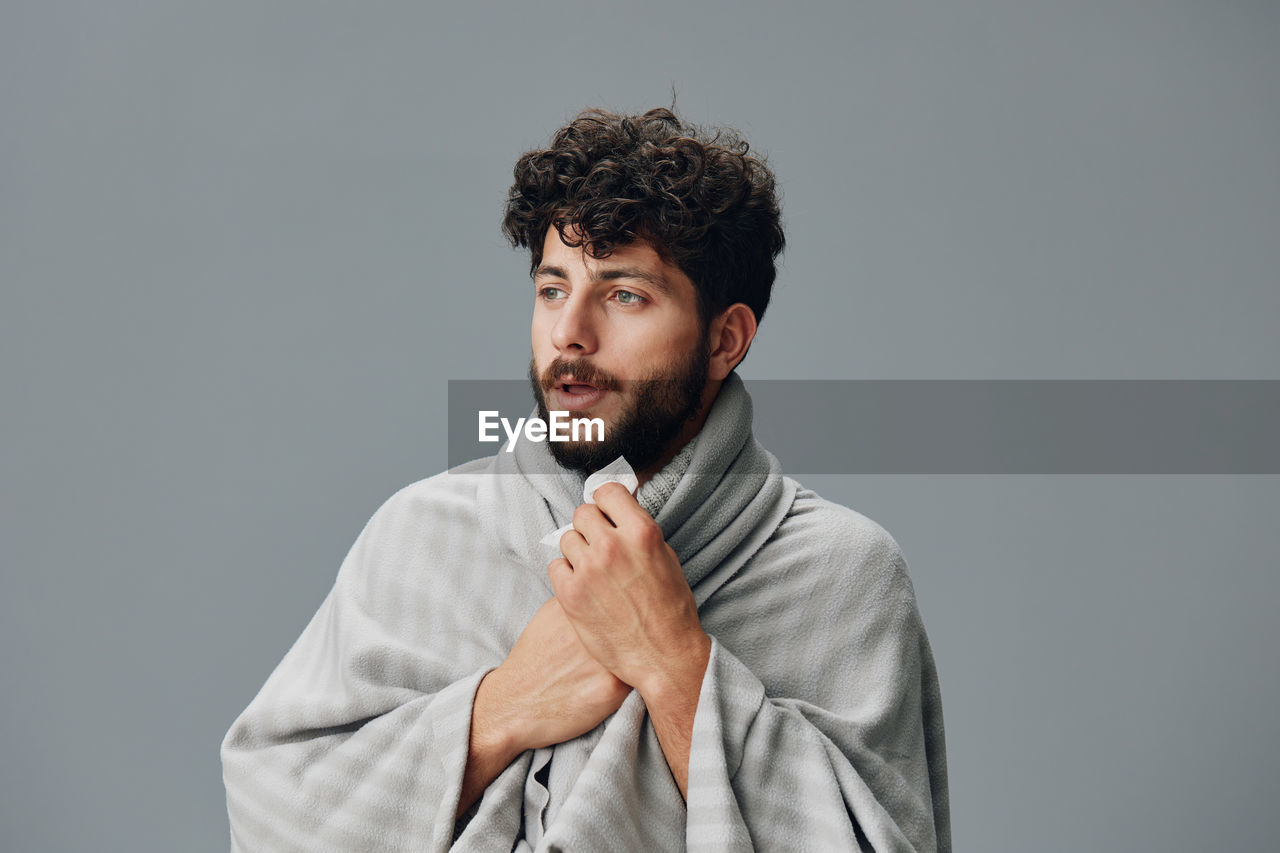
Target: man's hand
[627, 597]
[548, 690]
[624, 591]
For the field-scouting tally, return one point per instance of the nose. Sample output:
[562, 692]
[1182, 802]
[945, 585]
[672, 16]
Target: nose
[574, 331]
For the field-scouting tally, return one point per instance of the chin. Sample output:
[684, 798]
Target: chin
[585, 458]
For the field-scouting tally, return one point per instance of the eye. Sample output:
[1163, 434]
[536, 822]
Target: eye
[626, 297]
[550, 294]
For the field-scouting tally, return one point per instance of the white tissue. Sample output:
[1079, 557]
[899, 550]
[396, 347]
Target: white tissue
[617, 471]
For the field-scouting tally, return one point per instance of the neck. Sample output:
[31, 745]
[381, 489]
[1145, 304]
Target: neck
[691, 428]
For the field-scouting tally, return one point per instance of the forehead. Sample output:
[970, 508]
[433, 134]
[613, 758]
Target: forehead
[638, 260]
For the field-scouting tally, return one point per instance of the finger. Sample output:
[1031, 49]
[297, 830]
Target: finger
[573, 545]
[559, 571]
[591, 522]
[618, 504]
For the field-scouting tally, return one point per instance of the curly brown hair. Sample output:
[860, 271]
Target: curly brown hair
[697, 196]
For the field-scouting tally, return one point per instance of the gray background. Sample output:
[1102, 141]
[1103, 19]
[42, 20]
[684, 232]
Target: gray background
[243, 246]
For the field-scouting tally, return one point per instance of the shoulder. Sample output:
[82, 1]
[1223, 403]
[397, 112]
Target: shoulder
[835, 538]
[422, 508]
[420, 530]
[827, 593]
[843, 532]
[455, 487]
[822, 544]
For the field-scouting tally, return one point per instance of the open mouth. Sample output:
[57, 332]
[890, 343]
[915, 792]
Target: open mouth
[571, 395]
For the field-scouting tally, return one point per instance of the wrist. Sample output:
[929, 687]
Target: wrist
[677, 682]
[494, 730]
[490, 747]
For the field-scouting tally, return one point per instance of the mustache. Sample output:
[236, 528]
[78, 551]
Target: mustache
[584, 372]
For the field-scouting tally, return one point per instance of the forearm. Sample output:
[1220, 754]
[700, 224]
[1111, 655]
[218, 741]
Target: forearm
[672, 701]
[490, 749]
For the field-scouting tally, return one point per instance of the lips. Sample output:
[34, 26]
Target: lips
[569, 394]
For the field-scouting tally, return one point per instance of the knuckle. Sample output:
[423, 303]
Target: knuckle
[610, 487]
[560, 573]
[568, 596]
[648, 534]
[581, 514]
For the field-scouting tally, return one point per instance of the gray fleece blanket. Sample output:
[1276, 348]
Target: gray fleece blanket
[818, 726]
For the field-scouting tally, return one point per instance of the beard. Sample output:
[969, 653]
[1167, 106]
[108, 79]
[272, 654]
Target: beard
[653, 414]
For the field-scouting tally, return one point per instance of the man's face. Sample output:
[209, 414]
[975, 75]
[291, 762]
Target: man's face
[619, 339]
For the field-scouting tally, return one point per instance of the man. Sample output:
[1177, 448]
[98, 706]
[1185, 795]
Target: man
[722, 661]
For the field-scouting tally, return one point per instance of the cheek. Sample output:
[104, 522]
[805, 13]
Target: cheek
[672, 343]
[539, 334]
[661, 336]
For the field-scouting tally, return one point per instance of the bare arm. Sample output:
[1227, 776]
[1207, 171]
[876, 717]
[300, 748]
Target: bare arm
[489, 751]
[672, 700]
[548, 690]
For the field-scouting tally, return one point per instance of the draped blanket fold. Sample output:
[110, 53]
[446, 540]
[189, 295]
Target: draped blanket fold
[818, 726]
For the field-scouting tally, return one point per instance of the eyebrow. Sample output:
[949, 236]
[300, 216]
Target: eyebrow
[611, 274]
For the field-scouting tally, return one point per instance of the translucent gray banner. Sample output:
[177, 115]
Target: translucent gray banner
[970, 426]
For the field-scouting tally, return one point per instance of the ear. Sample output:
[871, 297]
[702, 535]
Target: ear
[731, 334]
